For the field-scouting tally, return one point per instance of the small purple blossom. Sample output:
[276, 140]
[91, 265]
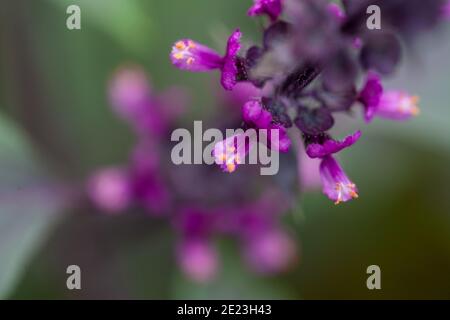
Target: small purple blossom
[231, 152]
[273, 251]
[370, 95]
[198, 259]
[132, 99]
[257, 117]
[109, 189]
[254, 114]
[398, 105]
[192, 56]
[308, 171]
[271, 8]
[446, 10]
[330, 146]
[394, 105]
[336, 185]
[241, 93]
[336, 11]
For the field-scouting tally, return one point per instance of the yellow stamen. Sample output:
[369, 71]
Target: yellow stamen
[180, 45]
[190, 60]
[191, 44]
[178, 55]
[231, 167]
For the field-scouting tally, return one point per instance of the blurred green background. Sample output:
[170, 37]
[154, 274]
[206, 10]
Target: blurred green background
[56, 125]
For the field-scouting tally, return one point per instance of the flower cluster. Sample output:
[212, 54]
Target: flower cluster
[198, 201]
[308, 69]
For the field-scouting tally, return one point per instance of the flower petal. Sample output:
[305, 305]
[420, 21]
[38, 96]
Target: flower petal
[271, 8]
[192, 56]
[229, 68]
[336, 185]
[329, 147]
[370, 95]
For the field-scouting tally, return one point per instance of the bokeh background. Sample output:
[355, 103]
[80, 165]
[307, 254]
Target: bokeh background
[56, 125]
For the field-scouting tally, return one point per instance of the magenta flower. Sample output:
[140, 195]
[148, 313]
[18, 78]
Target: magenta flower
[370, 95]
[148, 186]
[241, 93]
[129, 92]
[330, 146]
[192, 56]
[394, 105]
[446, 10]
[257, 117]
[336, 11]
[198, 260]
[308, 171]
[109, 189]
[270, 252]
[133, 100]
[336, 185]
[398, 105]
[254, 114]
[231, 152]
[271, 8]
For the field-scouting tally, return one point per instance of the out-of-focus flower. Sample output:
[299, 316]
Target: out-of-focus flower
[129, 92]
[446, 10]
[337, 12]
[110, 190]
[397, 105]
[336, 185]
[192, 56]
[271, 8]
[198, 259]
[133, 100]
[269, 252]
[148, 186]
[308, 171]
[241, 93]
[394, 105]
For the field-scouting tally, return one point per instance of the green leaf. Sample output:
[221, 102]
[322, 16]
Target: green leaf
[27, 205]
[124, 20]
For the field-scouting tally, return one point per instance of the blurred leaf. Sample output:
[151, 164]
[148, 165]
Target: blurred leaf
[26, 207]
[123, 20]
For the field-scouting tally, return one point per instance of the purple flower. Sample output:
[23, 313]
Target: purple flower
[308, 171]
[446, 10]
[269, 252]
[192, 56]
[394, 105]
[129, 92]
[337, 12]
[132, 99]
[370, 95]
[198, 259]
[254, 114]
[148, 186]
[397, 105]
[336, 185]
[257, 117]
[231, 152]
[272, 8]
[241, 93]
[109, 189]
[330, 146]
